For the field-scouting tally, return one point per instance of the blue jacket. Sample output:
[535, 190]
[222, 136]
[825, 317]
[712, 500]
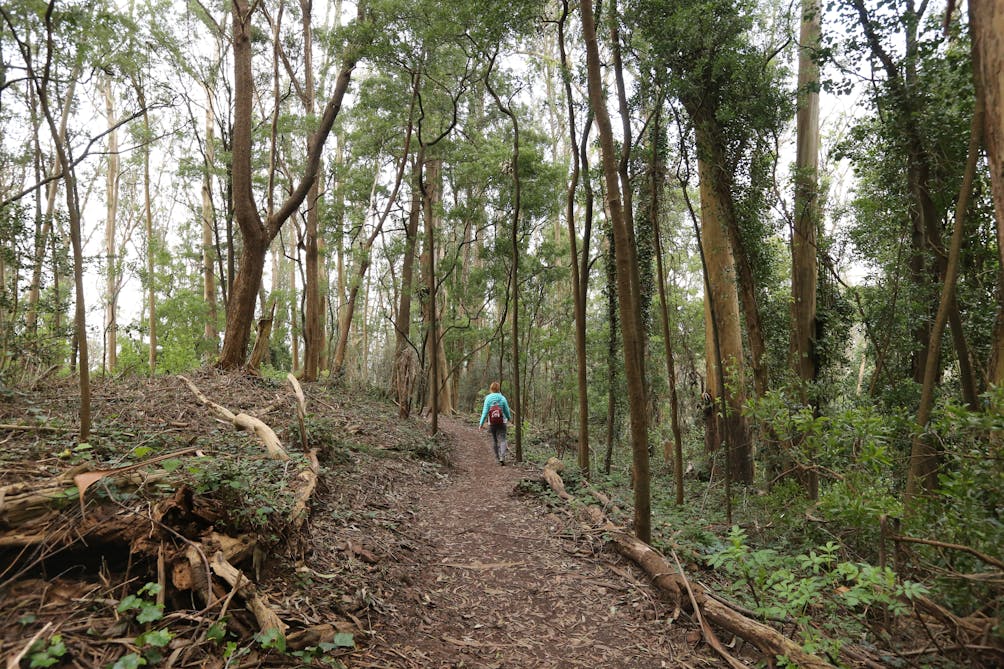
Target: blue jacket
[491, 399]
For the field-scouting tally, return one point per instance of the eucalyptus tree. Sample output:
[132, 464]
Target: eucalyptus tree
[986, 19]
[111, 191]
[627, 279]
[579, 264]
[720, 63]
[807, 210]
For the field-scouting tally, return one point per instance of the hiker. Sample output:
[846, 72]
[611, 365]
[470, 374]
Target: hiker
[496, 413]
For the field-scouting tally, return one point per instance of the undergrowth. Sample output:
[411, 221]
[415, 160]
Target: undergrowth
[830, 567]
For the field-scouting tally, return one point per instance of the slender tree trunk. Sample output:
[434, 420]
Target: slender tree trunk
[579, 279]
[313, 339]
[151, 243]
[614, 389]
[923, 471]
[34, 289]
[429, 182]
[294, 318]
[627, 283]
[404, 357]
[514, 263]
[111, 261]
[208, 218]
[657, 178]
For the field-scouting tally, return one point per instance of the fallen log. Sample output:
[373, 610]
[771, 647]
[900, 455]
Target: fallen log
[26, 503]
[674, 583]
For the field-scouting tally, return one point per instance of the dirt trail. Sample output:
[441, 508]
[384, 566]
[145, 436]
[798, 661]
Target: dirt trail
[503, 582]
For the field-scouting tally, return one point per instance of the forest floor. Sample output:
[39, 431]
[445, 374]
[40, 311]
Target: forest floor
[499, 580]
[428, 552]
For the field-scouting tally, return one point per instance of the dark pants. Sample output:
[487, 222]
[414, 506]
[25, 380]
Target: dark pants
[497, 433]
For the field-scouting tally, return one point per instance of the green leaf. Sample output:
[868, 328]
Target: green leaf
[141, 451]
[150, 589]
[272, 639]
[128, 603]
[344, 640]
[149, 612]
[156, 638]
[27, 619]
[130, 661]
[171, 465]
[217, 631]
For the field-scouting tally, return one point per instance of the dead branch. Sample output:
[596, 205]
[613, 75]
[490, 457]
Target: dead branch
[553, 478]
[263, 613]
[303, 494]
[301, 410]
[988, 559]
[243, 421]
[666, 578]
[30, 502]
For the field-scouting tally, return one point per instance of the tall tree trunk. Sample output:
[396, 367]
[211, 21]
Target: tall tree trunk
[656, 181]
[614, 389]
[730, 428]
[580, 279]
[805, 227]
[313, 338]
[429, 183]
[923, 472]
[294, 318]
[987, 21]
[208, 225]
[717, 177]
[804, 236]
[151, 243]
[627, 282]
[111, 261]
[514, 263]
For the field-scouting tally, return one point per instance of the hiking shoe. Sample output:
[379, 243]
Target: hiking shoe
[502, 461]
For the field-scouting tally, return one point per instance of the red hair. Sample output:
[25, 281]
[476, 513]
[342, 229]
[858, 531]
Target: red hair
[494, 387]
